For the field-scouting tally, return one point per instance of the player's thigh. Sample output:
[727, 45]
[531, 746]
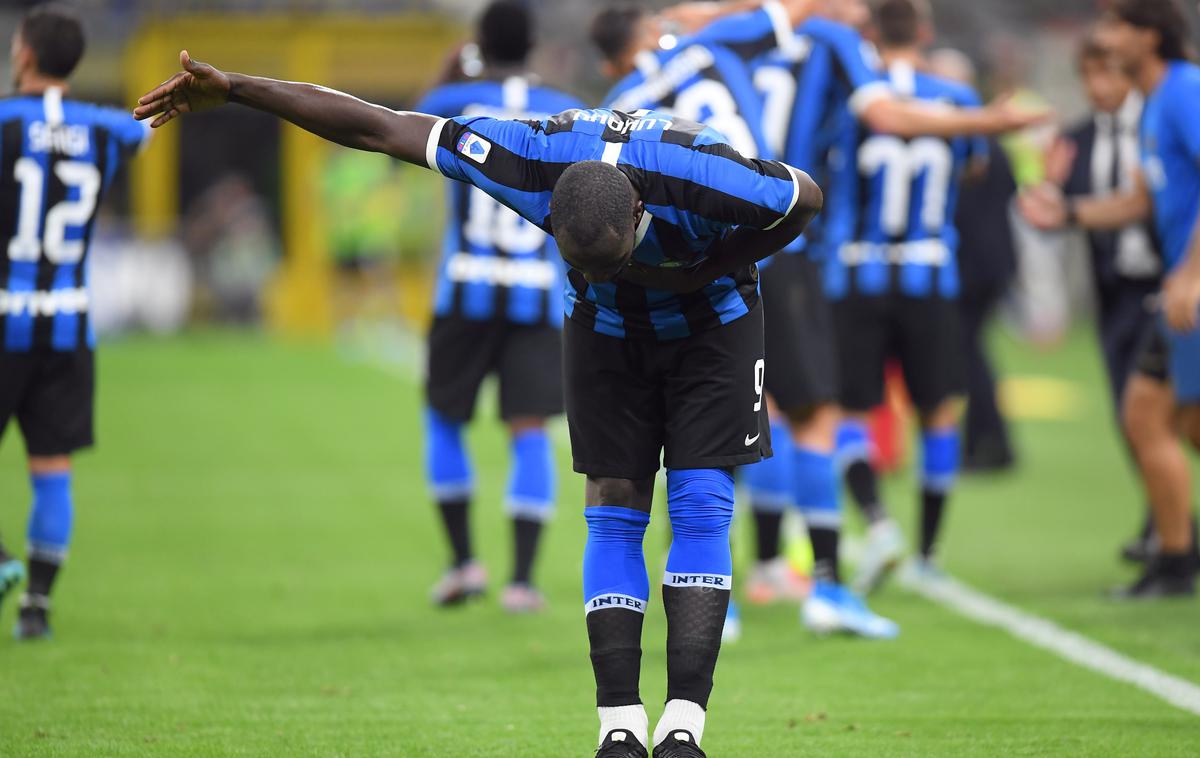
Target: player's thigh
[461, 354]
[798, 335]
[531, 373]
[862, 329]
[614, 402]
[928, 342]
[716, 412]
[56, 414]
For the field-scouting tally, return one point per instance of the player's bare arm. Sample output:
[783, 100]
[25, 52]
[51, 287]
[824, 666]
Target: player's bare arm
[911, 119]
[1181, 289]
[327, 113]
[745, 245]
[1047, 208]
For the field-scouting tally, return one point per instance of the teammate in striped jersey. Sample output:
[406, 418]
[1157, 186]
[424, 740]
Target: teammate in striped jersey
[497, 310]
[661, 223]
[893, 277]
[57, 156]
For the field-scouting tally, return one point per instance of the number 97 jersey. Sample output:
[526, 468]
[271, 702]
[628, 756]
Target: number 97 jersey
[889, 217]
[56, 159]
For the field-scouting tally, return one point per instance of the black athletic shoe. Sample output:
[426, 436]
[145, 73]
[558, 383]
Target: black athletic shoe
[1161, 581]
[33, 620]
[1142, 547]
[619, 743]
[679, 744]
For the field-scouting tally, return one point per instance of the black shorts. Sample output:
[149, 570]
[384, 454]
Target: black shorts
[924, 334]
[801, 358]
[52, 395]
[700, 398]
[1154, 354]
[526, 358]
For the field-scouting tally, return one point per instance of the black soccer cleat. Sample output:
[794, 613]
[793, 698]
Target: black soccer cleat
[1161, 581]
[1141, 548]
[679, 744]
[619, 743]
[33, 619]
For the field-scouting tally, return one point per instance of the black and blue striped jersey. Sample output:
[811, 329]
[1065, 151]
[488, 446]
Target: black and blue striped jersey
[705, 78]
[495, 264]
[695, 187]
[57, 157]
[890, 220]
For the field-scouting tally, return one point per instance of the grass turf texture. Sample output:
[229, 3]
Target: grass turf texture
[254, 547]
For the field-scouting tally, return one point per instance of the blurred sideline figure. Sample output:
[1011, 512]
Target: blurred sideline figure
[987, 264]
[1100, 156]
[57, 157]
[497, 310]
[1148, 39]
[893, 278]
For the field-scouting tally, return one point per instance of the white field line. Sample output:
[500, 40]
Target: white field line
[1062, 642]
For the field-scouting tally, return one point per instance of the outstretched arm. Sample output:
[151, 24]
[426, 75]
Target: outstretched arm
[906, 118]
[327, 113]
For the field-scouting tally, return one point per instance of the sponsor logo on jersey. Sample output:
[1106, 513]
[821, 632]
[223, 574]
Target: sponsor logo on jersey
[502, 272]
[714, 581]
[474, 147]
[67, 139]
[44, 302]
[930, 252]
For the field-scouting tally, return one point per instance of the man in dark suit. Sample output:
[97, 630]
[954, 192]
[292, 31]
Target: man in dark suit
[1100, 156]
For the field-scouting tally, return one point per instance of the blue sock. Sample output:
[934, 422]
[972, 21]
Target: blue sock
[939, 471]
[531, 486]
[853, 443]
[697, 580]
[51, 518]
[769, 482]
[816, 487]
[447, 468]
[615, 592]
[940, 459]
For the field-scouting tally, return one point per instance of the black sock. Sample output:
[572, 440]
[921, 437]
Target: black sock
[454, 518]
[695, 619]
[932, 504]
[525, 541]
[825, 554]
[767, 525]
[42, 574]
[615, 637]
[864, 488]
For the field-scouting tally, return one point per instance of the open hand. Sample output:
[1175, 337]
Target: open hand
[1181, 300]
[198, 87]
[1044, 207]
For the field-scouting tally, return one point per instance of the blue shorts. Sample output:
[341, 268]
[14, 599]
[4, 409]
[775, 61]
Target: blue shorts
[1170, 356]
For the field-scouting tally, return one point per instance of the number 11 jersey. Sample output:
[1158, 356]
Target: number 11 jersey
[57, 157]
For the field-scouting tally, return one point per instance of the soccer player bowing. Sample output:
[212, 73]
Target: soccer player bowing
[661, 223]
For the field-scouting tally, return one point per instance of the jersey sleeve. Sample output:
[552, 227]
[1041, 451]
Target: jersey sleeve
[749, 34]
[729, 189]
[1185, 111]
[439, 101]
[130, 134]
[498, 156]
[856, 63]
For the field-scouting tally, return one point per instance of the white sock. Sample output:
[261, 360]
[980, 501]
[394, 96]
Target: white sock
[631, 718]
[680, 714]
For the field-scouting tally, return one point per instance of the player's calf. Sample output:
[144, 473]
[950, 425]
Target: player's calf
[530, 503]
[696, 588]
[616, 591]
[49, 534]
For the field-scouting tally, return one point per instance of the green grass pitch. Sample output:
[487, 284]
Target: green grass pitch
[254, 547]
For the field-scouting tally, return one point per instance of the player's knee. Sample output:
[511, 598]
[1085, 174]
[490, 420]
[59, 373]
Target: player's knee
[815, 426]
[626, 493]
[447, 467]
[524, 424]
[1146, 411]
[52, 516]
[531, 487]
[49, 464]
[945, 415]
[700, 502]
